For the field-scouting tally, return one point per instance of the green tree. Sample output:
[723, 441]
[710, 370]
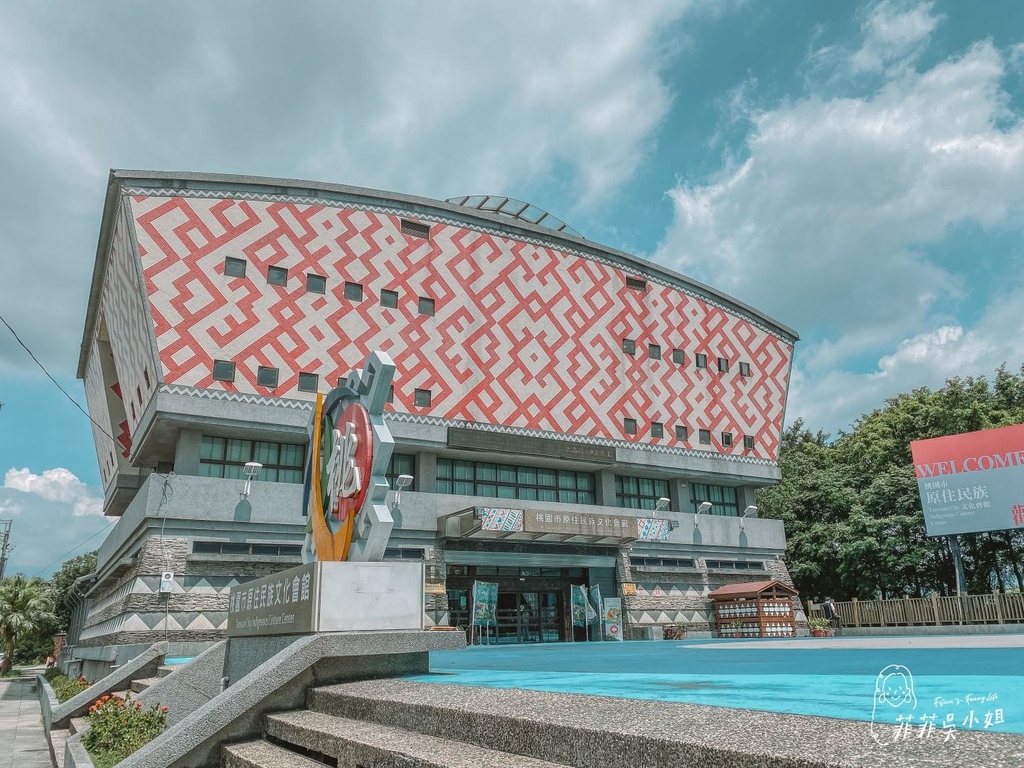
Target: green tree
[25, 605]
[63, 581]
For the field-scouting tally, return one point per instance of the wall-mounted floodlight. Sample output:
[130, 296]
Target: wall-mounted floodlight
[251, 471]
[703, 509]
[662, 504]
[748, 512]
[673, 524]
[401, 482]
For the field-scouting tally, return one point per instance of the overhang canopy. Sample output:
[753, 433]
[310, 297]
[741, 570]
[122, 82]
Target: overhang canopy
[752, 589]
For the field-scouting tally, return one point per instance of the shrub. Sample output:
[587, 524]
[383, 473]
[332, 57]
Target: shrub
[65, 688]
[118, 727]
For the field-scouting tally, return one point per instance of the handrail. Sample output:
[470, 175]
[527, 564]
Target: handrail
[935, 610]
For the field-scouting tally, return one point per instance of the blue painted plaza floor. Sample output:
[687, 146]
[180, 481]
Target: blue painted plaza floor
[972, 683]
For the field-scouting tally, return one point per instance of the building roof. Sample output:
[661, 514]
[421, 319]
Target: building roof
[750, 589]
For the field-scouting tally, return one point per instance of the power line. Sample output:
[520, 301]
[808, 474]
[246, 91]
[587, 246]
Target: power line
[77, 546]
[56, 383]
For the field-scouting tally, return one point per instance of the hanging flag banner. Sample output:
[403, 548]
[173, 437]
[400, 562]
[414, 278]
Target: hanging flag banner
[595, 599]
[485, 603]
[582, 611]
[613, 617]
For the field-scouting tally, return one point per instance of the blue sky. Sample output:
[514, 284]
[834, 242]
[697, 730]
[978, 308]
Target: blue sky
[854, 170]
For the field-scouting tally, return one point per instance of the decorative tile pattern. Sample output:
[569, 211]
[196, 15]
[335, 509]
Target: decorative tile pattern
[523, 334]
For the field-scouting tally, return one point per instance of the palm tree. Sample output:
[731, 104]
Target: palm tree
[24, 606]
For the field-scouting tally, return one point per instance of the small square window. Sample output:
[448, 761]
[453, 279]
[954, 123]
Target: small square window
[415, 229]
[234, 267]
[678, 356]
[421, 398]
[629, 346]
[316, 283]
[266, 377]
[636, 283]
[309, 382]
[682, 433]
[704, 435]
[727, 439]
[426, 306]
[389, 298]
[391, 393]
[657, 429]
[723, 365]
[353, 291]
[277, 276]
[223, 370]
[629, 426]
[654, 351]
[748, 442]
[701, 360]
[744, 369]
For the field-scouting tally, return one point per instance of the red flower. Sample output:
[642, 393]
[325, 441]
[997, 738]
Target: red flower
[163, 709]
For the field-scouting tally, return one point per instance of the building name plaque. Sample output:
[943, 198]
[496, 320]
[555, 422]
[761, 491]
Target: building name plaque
[581, 524]
[502, 442]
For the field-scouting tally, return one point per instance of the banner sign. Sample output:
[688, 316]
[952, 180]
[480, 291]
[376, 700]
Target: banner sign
[581, 524]
[972, 482]
[504, 520]
[582, 611]
[485, 603]
[612, 612]
[652, 529]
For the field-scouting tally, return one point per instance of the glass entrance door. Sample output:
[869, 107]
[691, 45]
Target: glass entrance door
[528, 617]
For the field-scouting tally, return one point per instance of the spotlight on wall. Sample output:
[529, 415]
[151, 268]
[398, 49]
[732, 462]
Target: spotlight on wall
[748, 512]
[401, 482]
[662, 504]
[703, 509]
[251, 471]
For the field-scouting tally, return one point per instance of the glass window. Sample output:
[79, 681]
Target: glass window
[353, 291]
[629, 426]
[748, 442]
[629, 346]
[654, 351]
[723, 365]
[421, 398]
[223, 370]
[701, 360]
[639, 492]
[722, 498]
[744, 369]
[389, 298]
[309, 382]
[225, 457]
[266, 377]
[234, 267]
[277, 276]
[505, 481]
[678, 356]
[704, 435]
[657, 429]
[726, 439]
[682, 433]
[426, 306]
[636, 283]
[316, 283]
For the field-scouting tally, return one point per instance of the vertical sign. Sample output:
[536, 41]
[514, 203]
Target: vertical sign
[613, 617]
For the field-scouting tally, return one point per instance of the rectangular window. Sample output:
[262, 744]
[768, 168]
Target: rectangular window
[391, 393]
[639, 492]
[225, 457]
[415, 229]
[426, 306]
[704, 435]
[682, 433]
[657, 429]
[277, 276]
[744, 369]
[722, 498]
[629, 426]
[316, 283]
[266, 377]
[506, 481]
[748, 442]
[234, 267]
[389, 298]
[309, 382]
[421, 398]
[678, 356]
[654, 351]
[723, 365]
[145, 375]
[353, 291]
[726, 439]
[701, 360]
[636, 283]
[400, 464]
[629, 346]
[223, 370]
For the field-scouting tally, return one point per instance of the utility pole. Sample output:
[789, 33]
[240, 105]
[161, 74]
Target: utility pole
[5, 544]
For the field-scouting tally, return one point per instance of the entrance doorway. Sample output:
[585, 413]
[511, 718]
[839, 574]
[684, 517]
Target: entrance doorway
[528, 617]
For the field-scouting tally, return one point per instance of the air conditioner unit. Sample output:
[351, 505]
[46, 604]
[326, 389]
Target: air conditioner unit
[167, 582]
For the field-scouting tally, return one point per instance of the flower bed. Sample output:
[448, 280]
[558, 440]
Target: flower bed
[119, 726]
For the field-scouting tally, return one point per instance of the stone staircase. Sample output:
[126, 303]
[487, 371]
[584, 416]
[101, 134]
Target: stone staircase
[138, 686]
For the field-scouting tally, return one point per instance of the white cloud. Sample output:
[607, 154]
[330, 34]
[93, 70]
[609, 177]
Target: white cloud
[894, 32]
[56, 484]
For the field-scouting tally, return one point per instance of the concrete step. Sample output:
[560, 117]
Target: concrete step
[263, 754]
[165, 669]
[355, 744]
[138, 686]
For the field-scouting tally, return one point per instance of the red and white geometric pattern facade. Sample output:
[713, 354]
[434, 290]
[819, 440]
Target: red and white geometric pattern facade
[524, 335]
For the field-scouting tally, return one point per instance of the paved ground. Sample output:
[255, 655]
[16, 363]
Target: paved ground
[22, 741]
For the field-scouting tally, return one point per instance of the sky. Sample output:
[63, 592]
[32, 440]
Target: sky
[855, 171]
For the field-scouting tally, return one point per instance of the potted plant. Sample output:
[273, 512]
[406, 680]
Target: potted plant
[820, 627]
[680, 630]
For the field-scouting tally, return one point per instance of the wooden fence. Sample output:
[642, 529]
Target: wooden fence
[995, 608]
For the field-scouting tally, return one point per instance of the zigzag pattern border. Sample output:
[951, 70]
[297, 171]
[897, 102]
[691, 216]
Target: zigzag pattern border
[438, 421]
[306, 200]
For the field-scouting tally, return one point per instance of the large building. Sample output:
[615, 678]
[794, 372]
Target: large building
[556, 402]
